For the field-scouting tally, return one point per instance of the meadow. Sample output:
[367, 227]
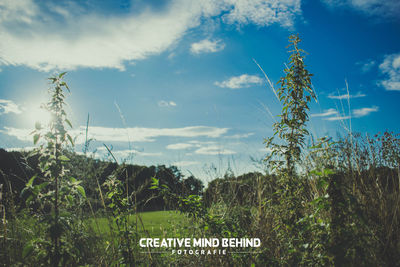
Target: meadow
[325, 202]
[156, 224]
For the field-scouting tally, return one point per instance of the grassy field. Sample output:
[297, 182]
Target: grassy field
[155, 224]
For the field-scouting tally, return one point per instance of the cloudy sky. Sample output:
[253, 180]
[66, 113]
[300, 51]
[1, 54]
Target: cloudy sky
[189, 82]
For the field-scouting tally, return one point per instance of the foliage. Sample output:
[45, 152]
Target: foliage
[121, 206]
[191, 204]
[54, 193]
[295, 93]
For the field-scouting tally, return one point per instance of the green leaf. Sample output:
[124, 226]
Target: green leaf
[30, 182]
[61, 75]
[155, 183]
[70, 199]
[316, 172]
[81, 190]
[28, 249]
[41, 186]
[63, 158]
[68, 122]
[70, 139]
[328, 172]
[36, 138]
[66, 86]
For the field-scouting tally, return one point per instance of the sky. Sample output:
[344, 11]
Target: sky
[190, 82]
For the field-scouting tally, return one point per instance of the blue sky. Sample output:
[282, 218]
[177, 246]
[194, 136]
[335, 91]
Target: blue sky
[177, 82]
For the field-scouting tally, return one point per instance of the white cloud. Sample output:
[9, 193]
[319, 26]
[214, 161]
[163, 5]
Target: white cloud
[242, 81]
[190, 144]
[367, 66]
[326, 113]
[390, 67]
[91, 40]
[202, 148]
[136, 134]
[20, 134]
[18, 10]
[165, 104]
[200, 143]
[207, 46]
[214, 150]
[364, 111]
[345, 96]
[333, 115]
[185, 163]
[19, 149]
[338, 118]
[387, 8]
[68, 35]
[126, 153]
[179, 146]
[8, 106]
[263, 12]
[101, 152]
[239, 136]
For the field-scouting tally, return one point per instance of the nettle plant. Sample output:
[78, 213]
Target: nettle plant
[295, 94]
[54, 194]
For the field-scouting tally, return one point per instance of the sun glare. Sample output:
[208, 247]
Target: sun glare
[35, 113]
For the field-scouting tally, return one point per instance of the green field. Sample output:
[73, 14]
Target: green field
[155, 224]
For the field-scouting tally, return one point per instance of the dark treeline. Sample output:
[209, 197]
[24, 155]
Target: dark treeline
[16, 168]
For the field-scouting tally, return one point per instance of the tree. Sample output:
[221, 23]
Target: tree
[193, 186]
